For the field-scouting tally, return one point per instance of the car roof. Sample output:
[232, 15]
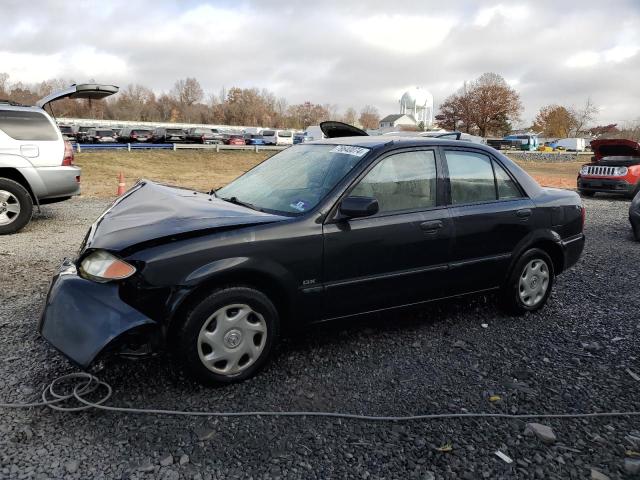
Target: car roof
[373, 141]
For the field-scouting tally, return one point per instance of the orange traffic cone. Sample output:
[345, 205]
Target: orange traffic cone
[121, 185]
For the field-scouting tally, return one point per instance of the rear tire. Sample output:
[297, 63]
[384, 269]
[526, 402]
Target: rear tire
[16, 206]
[529, 284]
[228, 336]
[587, 193]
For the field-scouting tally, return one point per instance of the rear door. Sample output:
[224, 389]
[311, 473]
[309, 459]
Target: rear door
[397, 256]
[491, 215]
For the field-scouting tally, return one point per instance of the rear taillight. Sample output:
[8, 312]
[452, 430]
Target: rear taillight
[67, 160]
[133, 135]
[202, 138]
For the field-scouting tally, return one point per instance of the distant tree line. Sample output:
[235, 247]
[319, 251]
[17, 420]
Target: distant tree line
[187, 102]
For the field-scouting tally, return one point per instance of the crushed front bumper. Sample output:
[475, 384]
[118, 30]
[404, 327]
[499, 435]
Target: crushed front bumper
[81, 317]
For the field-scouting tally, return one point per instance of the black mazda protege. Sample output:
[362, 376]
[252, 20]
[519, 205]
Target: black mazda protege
[320, 231]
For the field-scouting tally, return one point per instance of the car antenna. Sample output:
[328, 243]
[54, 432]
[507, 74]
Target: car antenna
[213, 193]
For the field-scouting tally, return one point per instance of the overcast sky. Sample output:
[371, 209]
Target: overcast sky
[343, 52]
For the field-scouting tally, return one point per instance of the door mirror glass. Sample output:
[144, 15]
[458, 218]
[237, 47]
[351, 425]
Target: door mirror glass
[355, 207]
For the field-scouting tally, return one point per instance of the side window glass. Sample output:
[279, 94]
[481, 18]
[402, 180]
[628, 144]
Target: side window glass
[471, 177]
[405, 181]
[25, 125]
[506, 186]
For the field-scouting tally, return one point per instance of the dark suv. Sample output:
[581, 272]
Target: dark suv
[320, 231]
[133, 135]
[168, 135]
[204, 136]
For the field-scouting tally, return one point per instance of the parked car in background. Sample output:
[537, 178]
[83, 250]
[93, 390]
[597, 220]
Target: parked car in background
[235, 139]
[67, 132]
[204, 136]
[254, 139]
[135, 135]
[96, 135]
[614, 168]
[277, 137]
[168, 135]
[36, 162]
[313, 132]
[320, 231]
[81, 132]
[298, 138]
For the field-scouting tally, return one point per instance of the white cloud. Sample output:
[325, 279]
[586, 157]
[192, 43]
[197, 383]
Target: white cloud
[509, 13]
[589, 58]
[402, 34]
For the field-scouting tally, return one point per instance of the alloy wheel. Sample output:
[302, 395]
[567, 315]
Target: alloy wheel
[9, 207]
[232, 339]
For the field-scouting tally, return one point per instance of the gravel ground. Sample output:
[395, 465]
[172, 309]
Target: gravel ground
[571, 357]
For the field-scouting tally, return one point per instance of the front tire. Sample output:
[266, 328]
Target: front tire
[530, 283]
[16, 206]
[228, 336]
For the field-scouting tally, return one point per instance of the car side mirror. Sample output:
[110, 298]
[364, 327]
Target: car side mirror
[356, 207]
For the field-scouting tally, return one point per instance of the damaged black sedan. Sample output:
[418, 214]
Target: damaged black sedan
[320, 231]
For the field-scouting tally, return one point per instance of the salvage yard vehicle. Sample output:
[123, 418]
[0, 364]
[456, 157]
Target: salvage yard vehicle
[36, 162]
[615, 168]
[634, 216]
[97, 135]
[320, 231]
[135, 135]
[168, 135]
[205, 136]
[277, 137]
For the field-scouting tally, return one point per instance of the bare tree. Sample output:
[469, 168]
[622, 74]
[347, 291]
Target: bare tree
[369, 117]
[188, 91]
[584, 116]
[350, 116]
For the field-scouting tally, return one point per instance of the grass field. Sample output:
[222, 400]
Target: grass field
[203, 170]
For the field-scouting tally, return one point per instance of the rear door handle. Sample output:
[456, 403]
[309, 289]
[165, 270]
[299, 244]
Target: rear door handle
[524, 213]
[432, 226]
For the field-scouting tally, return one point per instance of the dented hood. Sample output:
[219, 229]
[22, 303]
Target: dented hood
[150, 212]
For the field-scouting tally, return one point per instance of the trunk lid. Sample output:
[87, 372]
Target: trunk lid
[91, 91]
[154, 212]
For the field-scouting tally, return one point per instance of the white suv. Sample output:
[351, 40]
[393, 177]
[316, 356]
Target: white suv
[36, 163]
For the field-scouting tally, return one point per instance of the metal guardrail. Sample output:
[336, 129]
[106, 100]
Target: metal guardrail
[88, 147]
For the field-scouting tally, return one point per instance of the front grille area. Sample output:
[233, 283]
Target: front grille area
[601, 171]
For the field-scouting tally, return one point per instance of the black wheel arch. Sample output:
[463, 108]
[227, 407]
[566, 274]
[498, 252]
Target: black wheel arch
[546, 240]
[16, 176]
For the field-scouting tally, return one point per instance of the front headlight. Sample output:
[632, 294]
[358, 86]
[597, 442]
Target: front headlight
[621, 171]
[101, 266]
[584, 170]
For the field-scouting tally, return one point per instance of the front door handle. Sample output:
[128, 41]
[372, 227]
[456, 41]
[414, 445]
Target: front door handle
[524, 213]
[432, 226]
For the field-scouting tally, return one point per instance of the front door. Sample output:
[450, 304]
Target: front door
[397, 256]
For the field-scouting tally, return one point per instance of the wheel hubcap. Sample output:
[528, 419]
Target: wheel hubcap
[232, 339]
[534, 282]
[9, 207]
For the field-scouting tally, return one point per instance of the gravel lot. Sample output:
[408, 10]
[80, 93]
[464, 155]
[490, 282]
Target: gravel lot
[571, 357]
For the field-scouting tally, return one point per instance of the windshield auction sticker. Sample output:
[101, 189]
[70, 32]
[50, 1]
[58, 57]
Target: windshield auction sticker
[350, 150]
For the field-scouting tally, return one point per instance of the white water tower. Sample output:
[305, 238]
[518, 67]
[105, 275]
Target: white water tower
[418, 102]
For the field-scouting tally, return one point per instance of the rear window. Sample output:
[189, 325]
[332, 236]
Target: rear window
[203, 131]
[174, 131]
[268, 133]
[104, 133]
[284, 134]
[23, 125]
[66, 129]
[141, 132]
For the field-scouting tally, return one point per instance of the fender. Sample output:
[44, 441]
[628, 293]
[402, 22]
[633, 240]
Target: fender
[27, 170]
[261, 272]
[542, 234]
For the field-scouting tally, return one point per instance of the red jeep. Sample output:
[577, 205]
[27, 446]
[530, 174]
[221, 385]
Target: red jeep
[614, 168]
